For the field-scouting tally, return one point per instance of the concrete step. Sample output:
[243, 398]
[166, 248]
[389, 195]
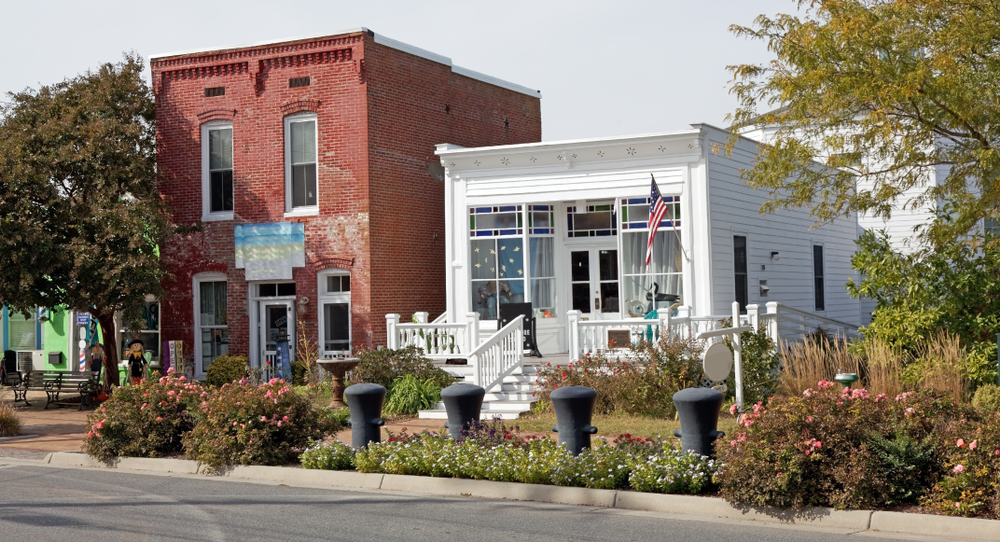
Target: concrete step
[485, 415]
[504, 396]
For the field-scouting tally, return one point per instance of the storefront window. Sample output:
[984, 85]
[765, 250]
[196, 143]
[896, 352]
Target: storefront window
[543, 276]
[497, 274]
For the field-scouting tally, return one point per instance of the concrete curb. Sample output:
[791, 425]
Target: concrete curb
[928, 525]
[683, 505]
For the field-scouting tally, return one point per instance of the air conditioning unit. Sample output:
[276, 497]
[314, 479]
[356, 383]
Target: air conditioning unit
[29, 360]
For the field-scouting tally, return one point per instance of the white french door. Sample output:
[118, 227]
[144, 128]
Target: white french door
[594, 282]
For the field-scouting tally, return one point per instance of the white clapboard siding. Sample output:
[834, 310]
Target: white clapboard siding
[734, 210]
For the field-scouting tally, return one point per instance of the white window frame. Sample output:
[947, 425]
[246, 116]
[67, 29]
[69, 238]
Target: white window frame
[196, 307]
[324, 297]
[307, 210]
[206, 178]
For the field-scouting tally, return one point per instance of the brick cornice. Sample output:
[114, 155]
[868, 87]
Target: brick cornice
[206, 71]
[215, 57]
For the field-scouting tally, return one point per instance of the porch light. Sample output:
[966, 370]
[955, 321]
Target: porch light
[774, 256]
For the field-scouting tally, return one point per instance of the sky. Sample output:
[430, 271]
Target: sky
[605, 68]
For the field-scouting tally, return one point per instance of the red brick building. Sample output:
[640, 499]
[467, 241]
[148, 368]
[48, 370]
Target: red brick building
[304, 174]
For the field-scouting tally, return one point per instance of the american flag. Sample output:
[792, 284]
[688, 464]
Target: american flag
[657, 208]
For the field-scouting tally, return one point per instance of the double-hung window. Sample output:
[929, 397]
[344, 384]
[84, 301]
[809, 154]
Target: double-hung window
[335, 312]
[217, 170]
[211, 319]
[300, 163]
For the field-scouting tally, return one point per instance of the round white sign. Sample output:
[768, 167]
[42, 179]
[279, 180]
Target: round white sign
[718, 362]
[82, 344]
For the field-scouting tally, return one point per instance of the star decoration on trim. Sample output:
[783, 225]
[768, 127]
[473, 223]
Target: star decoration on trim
[630, 151]
[663, 149]
[533, 159]
[574, 155]
[505, 161]
[600, 153]
[476, 162]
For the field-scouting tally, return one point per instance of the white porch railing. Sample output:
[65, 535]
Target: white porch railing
[438, 340]
[788, 324]
[499, 355]
[491, 360]
[782, 323]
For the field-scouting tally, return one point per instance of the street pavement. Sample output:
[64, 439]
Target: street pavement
[41, 504]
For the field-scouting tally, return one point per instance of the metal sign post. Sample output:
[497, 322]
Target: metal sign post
[737, 349]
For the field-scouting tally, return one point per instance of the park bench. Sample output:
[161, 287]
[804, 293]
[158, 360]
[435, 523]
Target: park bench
[83, 386]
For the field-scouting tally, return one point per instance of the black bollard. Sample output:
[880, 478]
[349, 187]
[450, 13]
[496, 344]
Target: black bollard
[698, 410]
[365, 402]
[464, 403]
[574, 409]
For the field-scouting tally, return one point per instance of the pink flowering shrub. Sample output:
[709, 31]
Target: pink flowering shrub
[970, 485]
[243, 424]
[838, 447]
[147, 420]
[640, 380]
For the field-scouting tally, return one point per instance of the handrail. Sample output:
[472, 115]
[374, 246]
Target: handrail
[499, 355]
[436, 340]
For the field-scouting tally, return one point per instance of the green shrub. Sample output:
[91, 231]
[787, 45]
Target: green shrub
[845, 449]
[241, 424]
[760, 363]
[409, 395]
[226, 369]
[987, 398]
[10, 423]
[147, 420]
[640, 382]
[333, 456]
[385, 366]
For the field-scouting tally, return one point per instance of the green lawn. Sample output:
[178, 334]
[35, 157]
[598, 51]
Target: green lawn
[614, 425]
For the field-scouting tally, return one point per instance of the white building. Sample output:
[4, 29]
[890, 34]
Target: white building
[562, 225]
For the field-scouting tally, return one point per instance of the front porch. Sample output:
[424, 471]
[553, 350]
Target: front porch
[497, 362]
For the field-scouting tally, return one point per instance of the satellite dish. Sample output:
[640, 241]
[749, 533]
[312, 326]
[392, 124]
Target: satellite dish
[718, 362]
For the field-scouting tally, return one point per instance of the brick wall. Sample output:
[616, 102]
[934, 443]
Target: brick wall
[380, 111]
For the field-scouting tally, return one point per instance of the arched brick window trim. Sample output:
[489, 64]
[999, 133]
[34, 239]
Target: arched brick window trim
[211, 266]
[216, 114]
[326, 263]
[300, 106]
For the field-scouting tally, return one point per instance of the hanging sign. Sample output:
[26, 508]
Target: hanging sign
[82, 318]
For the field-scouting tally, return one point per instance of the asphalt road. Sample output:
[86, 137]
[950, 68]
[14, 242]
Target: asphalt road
[39, 504]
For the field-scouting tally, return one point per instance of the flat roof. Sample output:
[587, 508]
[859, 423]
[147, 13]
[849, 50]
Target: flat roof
[381, 40]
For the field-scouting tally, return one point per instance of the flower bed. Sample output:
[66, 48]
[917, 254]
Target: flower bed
[237, 424]
[849, 449]
[497, 453]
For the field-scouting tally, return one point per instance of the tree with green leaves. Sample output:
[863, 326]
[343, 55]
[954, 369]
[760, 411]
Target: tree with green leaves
[887, 93]
[80, 216]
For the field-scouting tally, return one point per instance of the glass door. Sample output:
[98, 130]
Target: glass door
[277, 323]
[594, 283]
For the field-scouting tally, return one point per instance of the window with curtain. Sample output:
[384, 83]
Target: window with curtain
[543, 276]
[659, 287]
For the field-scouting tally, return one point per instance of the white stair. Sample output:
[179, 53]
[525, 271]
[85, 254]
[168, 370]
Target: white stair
[513, 397]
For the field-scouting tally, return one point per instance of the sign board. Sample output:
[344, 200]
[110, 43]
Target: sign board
[82, 318]
[718, 362]
[510, 311]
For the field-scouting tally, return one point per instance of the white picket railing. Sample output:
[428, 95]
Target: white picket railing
[781, 322]
[437, 340]
[499, 355]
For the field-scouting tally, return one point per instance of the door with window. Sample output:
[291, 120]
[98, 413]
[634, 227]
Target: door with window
[594, 283]
[277, 323]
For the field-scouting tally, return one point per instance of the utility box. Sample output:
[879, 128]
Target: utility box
[55, 358]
